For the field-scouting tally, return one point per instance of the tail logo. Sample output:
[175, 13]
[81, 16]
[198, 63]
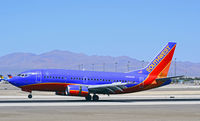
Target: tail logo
[158, 59]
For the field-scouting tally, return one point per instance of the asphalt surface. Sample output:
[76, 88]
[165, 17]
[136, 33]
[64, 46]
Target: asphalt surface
[120, 108]
[102, 113]
[162, 104]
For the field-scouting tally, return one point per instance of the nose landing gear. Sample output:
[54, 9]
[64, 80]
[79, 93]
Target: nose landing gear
[30, 96]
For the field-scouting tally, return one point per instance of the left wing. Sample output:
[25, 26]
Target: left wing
[108, 88]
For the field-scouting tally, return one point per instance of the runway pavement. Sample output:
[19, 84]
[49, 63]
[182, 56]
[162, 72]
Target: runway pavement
[113, 108]
[104, 100]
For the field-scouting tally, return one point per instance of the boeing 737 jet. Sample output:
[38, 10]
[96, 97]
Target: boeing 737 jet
[89, 84]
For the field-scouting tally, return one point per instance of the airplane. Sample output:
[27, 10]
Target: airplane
[89, 84]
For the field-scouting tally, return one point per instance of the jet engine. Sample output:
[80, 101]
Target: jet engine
[74, 90]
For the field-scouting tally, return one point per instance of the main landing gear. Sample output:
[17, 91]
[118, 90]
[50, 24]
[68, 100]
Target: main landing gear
[94, 98]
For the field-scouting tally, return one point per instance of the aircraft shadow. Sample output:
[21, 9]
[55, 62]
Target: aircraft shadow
[112, 100]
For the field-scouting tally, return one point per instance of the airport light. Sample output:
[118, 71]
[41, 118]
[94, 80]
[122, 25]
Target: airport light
[79, 67]
[92, 67]
[128, 66]
[142, 63]
[104, 67]
[82, 67]
[116, 66]
[175, 66]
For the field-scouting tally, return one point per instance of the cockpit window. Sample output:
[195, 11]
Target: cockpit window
[22, 75]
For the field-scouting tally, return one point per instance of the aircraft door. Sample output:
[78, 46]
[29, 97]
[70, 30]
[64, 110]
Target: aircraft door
[38, 77]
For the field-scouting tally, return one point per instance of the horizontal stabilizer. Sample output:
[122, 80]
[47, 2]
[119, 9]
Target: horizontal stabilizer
[167, 78]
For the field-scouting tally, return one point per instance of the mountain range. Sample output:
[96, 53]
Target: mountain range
[15, 63]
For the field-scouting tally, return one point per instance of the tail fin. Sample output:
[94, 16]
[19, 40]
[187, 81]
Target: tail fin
[159, 67]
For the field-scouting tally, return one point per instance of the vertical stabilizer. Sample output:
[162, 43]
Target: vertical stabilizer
[159, 67]
[161, 64]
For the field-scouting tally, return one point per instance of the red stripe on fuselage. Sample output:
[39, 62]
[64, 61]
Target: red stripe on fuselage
[45, 87]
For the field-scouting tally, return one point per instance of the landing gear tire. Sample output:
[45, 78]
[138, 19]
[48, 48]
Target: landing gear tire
[95, 97]
[88, 98]
[30, 96]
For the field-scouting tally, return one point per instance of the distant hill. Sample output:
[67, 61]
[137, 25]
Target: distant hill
[18, 62]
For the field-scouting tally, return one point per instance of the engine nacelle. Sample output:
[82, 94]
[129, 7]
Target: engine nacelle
[75, 90]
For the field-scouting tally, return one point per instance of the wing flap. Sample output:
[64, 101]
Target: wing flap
[108, 88]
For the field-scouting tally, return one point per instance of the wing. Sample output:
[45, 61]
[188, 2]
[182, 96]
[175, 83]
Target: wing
[167, 78]
[108, 88]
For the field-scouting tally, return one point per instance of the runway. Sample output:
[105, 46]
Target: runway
[104, 101]
[120, 108]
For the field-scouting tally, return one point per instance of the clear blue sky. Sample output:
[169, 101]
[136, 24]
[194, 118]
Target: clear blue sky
[135, 28]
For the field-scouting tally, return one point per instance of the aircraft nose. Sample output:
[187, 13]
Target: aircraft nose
[12, 81]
